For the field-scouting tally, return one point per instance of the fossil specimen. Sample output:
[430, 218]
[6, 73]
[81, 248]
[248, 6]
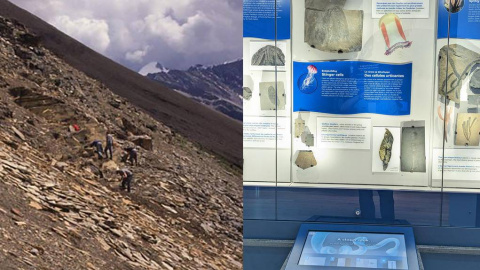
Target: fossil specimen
[268, 56]
[308, 138]
[475, 80]
[468, 129]
[305, 159]
[386, 148]
[413, 157]
[269, 98]
[392, 31]
[330, 28]
[446, 119]
[324, 4]
[453, 6]
[460, 62]
[299, 126]
[247, 93]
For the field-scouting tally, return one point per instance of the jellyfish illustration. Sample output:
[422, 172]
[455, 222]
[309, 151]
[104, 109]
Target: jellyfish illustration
[312, 70]
[392, 31]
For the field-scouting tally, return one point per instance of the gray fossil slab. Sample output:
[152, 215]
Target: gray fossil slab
[334, 29]
[475, 80]
[324, 4]
[269, 98]
[247, 93]
[308, 138]
[468, 129]
[413, 157]
[269, 56]
[460, 63]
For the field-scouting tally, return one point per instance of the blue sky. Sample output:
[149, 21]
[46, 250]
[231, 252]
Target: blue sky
[176, 33]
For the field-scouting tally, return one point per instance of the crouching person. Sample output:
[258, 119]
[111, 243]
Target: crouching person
[126, 177]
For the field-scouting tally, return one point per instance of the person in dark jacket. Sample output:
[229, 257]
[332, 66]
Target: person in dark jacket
[109, 146]
[127, 177]
[99, 148]
[132, 155]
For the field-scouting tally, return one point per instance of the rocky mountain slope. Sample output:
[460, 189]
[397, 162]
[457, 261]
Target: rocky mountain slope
[61, 207]
[218, 87]
[213, 130]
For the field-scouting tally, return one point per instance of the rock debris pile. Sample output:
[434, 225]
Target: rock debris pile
[61, 205]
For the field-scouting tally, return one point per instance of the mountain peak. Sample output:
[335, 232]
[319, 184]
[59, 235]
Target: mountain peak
[152, 68]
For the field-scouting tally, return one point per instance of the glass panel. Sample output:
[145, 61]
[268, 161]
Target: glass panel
[459, 80]
[262, 95]
[362, 83]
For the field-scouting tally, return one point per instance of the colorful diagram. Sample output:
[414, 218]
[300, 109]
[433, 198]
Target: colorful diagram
[393, 33]
[307, 83]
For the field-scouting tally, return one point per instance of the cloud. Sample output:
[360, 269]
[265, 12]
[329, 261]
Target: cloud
[93, 33]
[176, 33]
[137, 56]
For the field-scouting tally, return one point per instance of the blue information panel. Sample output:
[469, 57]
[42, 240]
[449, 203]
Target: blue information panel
[259, 19]
[352, 87]
[464, 19]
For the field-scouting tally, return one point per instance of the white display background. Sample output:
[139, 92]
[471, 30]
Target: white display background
[337, 166]
[262, 165]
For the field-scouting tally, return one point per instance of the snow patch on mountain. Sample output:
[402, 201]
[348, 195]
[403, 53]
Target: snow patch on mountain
[152, 68]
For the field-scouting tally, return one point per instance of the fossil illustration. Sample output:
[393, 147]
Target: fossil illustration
[385, 152]
[271, 99]
[299, 126]
[247, 93]
[468, 129]
[446, 119]
[305, 159]
[393, 33]
[460, 63]
[309, 79]
[269, 56]
[330, 28]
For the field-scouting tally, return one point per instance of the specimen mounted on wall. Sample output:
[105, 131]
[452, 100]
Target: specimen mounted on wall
[412, 156]
[460, 63]
[269, 56]
[305, 159]
[330, 28]
[468, 129]
[271, 99]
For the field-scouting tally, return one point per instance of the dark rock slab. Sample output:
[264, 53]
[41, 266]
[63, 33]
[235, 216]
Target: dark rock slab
[247, 93]
[475, 80]
[268, 56]
[334, 29]
[324, 4]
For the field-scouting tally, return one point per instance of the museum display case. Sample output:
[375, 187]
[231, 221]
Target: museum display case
[352, 95]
